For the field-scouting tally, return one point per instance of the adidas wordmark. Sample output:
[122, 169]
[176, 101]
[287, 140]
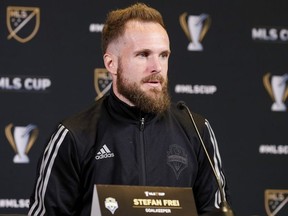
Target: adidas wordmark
[104, 153]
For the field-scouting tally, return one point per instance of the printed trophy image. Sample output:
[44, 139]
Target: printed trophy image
[277, 89]
[21, 139]
[195, 28]
[279, 86]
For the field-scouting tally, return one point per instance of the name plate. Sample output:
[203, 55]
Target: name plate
[122, 200]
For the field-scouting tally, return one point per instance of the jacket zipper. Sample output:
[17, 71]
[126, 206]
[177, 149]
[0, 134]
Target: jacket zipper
[143, 162]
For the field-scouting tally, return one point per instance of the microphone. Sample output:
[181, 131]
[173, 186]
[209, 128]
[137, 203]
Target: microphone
[225, 209]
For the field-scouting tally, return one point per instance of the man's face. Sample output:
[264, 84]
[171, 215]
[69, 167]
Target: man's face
[142, 65]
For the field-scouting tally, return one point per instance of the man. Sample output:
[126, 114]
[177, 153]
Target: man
[134, 135]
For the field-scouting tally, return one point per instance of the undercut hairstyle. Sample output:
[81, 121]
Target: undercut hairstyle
[114, 26]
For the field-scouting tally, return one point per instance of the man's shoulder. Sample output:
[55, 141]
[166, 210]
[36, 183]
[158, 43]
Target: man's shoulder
[85, 118]
[183, 116]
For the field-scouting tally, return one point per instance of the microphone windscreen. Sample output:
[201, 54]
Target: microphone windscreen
[181, 105]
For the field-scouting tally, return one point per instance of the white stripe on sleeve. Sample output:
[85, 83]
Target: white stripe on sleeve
[48, 159]
[217, 164]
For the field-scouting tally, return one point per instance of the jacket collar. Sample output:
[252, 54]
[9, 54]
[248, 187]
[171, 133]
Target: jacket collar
[123, 111]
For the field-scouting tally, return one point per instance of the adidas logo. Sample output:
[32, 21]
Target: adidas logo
[104, 153]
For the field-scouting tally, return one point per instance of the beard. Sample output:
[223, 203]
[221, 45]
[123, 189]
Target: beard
[150, 101]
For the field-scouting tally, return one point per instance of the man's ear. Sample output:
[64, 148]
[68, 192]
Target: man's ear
[111, 63]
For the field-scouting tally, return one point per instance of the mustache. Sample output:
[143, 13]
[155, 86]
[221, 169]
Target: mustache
[153, 78]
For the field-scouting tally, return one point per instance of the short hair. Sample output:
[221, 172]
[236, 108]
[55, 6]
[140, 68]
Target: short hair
[115, 22]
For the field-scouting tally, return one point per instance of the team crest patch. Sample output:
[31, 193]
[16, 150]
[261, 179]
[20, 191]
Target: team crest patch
[111, 204]
[177, 159]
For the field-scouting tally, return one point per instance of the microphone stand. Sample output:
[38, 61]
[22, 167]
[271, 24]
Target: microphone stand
[225, 209]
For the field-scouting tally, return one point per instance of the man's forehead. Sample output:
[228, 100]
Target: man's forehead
[139, 24]
[134, 29]
[148, 30]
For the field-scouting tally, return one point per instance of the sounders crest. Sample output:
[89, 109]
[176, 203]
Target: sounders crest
[111, 204]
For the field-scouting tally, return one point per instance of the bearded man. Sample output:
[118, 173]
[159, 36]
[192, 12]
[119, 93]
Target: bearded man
[132, 136]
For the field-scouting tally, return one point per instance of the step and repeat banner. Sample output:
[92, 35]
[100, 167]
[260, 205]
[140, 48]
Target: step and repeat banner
[229, 63]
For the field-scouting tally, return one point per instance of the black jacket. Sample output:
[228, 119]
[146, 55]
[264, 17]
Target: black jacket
[112, 143]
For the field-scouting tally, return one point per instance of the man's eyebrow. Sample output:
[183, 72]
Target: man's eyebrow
[143, 51]
[168, 52]
[150, 51]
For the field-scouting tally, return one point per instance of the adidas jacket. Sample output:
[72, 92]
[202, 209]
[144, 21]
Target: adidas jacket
[112, 143]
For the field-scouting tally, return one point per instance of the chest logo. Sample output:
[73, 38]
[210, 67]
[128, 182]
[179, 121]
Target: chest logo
[104, 153]
[177, 159]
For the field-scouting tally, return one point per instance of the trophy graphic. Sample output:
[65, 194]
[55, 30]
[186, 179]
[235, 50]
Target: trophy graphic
[195, 28]
[277, 90]
[21, 139]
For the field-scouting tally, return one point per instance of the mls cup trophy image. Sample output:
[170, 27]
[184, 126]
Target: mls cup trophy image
[195, 28]
[21, 138]
[277, 89]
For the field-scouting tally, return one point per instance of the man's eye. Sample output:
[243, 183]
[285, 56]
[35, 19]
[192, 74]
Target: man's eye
[143, 54]
[164, 55]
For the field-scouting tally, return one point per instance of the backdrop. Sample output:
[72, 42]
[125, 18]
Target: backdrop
[229, 63]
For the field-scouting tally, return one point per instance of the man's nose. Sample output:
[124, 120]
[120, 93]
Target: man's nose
[155, 65]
